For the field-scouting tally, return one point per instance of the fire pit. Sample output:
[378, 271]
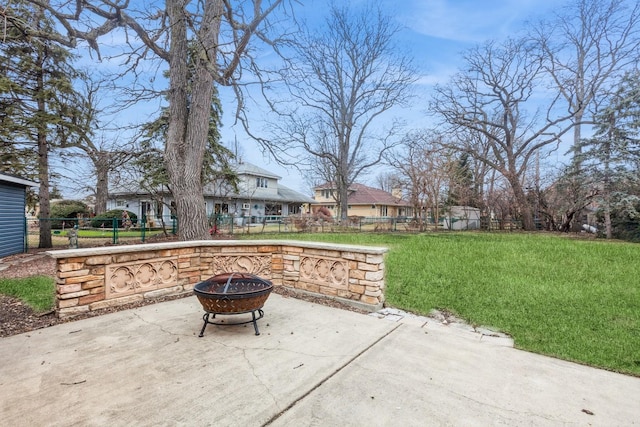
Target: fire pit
[233, 293]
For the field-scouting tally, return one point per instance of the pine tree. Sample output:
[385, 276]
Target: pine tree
[215, 166]
[461, 189]
[611, 156]
[37, 101]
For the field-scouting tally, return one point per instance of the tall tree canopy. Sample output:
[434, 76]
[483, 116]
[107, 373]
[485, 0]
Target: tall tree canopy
[216, 165]
[585, 47]
[38, 104]
[611, 157]
[341, 79]
[219, 31]
[489, 106]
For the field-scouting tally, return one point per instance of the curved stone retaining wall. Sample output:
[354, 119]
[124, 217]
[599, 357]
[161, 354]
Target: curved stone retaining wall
[95, 278]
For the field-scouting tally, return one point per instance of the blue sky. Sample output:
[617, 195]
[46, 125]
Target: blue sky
[435, 33]
[439, 30]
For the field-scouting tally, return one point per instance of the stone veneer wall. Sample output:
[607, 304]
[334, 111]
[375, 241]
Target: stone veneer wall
[95, 278]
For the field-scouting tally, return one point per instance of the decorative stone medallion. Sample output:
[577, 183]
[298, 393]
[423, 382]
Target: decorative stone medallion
[324, 271]
[140, 276]
[253, 264]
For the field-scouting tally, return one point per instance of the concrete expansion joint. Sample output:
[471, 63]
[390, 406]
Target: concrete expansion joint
[328, 377]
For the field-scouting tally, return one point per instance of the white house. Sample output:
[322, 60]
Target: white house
[259, 196]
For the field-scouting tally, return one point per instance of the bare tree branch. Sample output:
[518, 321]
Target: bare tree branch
[340, 82]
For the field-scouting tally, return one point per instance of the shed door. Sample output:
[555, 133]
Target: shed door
[12, 200]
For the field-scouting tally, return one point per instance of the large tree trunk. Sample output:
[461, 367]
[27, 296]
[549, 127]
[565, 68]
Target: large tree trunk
[343, 194]
[190, 109]
[565, 227]
[43, 192]
[577, 136]
[574, 220]
[523, 204]
[607, 220]
[102, 183]
[43, 164]
[343, 178]
[606, 184]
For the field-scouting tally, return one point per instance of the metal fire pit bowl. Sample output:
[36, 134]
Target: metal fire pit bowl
[233, 293]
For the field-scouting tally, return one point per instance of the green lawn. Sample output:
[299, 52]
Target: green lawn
[574, 299]
[38, 291]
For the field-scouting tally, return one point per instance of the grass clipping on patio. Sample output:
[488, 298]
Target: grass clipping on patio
[574, 299]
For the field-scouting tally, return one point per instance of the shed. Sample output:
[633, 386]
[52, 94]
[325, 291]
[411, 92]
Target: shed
[462, 218]
[13, 200]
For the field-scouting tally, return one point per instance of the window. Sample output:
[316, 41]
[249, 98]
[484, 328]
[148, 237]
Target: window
[327, 193]
[120, 203]
[271, 209]
[294, 209]
[261, 182]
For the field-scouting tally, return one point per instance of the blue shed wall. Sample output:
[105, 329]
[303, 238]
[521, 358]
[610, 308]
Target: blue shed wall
[12, 232]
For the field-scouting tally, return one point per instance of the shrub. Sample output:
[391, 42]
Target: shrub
[625, 219]
[105, 220]
[323, 213]
[68, 209]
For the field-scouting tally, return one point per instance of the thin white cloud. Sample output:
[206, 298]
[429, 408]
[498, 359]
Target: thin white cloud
[436, 74]
[470, 20]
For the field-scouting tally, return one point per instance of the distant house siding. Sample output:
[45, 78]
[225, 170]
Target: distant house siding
[12, 223]
[364, 201]
[366, 211]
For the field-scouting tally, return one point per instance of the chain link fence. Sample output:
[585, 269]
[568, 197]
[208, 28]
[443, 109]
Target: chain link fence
[83, 232]
[227, 224]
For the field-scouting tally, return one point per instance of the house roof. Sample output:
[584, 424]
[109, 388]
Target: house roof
[16, 180]
[283, 194]
[291, 195]
[244, 168]
[360, 194]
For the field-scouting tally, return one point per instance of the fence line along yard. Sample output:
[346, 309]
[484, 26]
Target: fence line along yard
[81, 232]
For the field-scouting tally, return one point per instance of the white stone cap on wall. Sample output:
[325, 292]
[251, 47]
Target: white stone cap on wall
[121, 249]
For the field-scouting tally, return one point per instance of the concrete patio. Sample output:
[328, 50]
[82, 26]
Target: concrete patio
[311, 365]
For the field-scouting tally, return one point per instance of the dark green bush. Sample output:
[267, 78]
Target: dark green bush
[625, 223]
[106, 219]
[68, 209]
[627, 230]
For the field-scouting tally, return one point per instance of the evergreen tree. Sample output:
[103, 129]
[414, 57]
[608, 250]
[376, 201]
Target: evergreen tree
[150, 162]
[461, 188]
[611, 156]
[37, 101]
